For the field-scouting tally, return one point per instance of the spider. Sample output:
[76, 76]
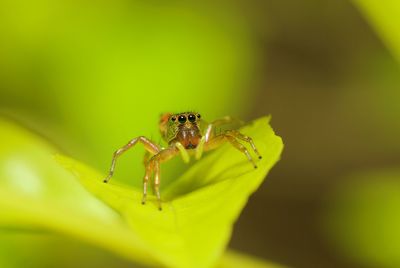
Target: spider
[185, 135]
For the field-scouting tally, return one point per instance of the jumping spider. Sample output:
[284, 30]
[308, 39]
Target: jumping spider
[184, 136]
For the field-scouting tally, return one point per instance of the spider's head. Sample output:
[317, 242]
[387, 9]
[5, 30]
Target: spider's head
[170, 124]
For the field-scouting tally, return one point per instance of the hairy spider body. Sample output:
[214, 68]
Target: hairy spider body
[186, 135]
[185, 131]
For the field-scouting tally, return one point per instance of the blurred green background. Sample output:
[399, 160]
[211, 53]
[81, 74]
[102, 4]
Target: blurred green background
[90, 75]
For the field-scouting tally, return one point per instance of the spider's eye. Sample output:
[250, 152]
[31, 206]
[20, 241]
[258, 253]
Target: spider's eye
[191, 118]
[198, 116]
[182, 119]
[173, 119]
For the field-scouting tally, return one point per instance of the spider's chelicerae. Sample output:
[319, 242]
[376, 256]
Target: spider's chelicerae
[185, 135]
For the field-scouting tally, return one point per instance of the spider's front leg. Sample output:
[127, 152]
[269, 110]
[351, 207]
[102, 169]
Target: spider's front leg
[153, 166]
[232, 137]
[209, 132]
[236, 134]
[148, 145]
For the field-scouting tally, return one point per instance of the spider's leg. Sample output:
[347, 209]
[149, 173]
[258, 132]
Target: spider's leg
[157, 183]
[238, 135]
[148, 172]
[148, 145]
[210, 132]
[222, 138]
[241, 148]
[154, 165]
[146, 157]
[147, 175]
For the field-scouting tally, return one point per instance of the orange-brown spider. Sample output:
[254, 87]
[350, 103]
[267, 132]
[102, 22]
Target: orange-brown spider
[184, 135]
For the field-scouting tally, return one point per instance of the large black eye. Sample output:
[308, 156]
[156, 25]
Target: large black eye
[192, 118]
[182, 119]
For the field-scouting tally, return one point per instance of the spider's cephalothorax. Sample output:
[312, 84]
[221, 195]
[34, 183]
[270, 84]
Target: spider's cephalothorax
[183, 128]
[185, 135]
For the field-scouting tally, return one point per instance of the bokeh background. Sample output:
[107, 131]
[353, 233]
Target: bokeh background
[90, 75]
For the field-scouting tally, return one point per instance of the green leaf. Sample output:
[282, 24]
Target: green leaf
[199, 208]
[385, 18]
[36, 192]
[28, 170]
[232, 259]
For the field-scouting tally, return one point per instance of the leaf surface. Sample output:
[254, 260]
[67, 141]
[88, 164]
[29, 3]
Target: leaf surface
[385, 18]
[199, 208]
